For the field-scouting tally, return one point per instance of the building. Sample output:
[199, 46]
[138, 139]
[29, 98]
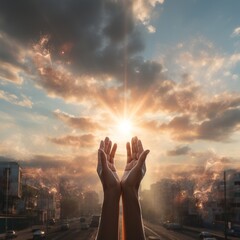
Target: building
[233, 196]
[10, 186]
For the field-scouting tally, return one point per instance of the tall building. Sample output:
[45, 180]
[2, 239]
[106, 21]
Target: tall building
[10, 185]
[233, 196]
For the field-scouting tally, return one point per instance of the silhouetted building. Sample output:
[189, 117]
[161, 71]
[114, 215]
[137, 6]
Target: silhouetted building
[10, 185]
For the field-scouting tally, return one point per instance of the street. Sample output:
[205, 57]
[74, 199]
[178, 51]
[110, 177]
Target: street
[75, 233]
[186, 233]
[55, 233]
[164, 234]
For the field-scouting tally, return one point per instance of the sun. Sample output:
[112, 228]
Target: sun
[125, 126]
[124, 129]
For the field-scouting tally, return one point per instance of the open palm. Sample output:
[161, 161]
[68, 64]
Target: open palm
[135, 168]
[106, 169]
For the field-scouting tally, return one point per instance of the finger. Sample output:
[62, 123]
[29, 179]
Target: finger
[109, 147]
[101, 145]
[129, 155]
[140, 148]
[112, 154]
[103, 158]
[106, 141]
[136, 146]
[142, 158]
[133, 148]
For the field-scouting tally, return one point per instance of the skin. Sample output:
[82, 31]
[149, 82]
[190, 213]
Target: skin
[108, 228]
[134, 172]
[128, 186]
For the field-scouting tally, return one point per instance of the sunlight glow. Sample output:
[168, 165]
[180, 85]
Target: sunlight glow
[124, 129]
[125, 126]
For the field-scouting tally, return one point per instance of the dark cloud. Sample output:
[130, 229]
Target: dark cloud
[221, 127]
[11, 61]
[91, 49]
[218, 128]
[87, 140]
[218, 105]
[181, 128]
[179, 150]
[92, 37]
[83, 123]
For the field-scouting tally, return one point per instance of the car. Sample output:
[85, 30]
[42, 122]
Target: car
[166, 223]
[95, 221]
[10, 234]
[84, 226]
[65, 226]
[174, 226]
[204, 235]
[39, 234]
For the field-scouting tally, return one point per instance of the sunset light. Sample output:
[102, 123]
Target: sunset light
[125, 126]
[124, 130]
[81, 77]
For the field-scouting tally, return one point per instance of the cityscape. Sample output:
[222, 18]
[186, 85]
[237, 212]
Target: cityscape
[210, 203]
[119, 119]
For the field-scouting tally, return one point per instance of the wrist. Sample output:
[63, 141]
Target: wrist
[129, 191]
[129, 188]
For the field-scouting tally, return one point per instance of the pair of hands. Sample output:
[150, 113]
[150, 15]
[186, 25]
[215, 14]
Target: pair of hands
[134, 171]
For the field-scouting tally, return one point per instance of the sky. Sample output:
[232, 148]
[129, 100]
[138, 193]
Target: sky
[75, 71]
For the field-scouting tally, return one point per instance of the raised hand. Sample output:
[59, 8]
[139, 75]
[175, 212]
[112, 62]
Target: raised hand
[132, 177]
[105, 168]
[135, 168]
[108, 228]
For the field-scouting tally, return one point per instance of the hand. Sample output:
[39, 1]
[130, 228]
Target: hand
[108, 227]
[106, 169]
[135, 168]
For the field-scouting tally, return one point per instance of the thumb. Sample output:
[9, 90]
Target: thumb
[102, 157]
[142, 158]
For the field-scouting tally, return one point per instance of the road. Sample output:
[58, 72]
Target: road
[55, 233]
[185, 234]
[75, 233]
[165, 234]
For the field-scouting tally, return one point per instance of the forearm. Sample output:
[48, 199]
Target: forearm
[108, 228]
[132, 217]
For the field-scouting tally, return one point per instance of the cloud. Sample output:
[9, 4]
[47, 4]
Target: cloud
[221, 127]
[236, 32]
[179, 150]
[143, 9]
[78, 46]
[177, 97]
[11, 59]
[151, 29]
[82, 123]
[217, 105]
[87, 140]
[218, 128]
[181, 128]
[23, 101]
